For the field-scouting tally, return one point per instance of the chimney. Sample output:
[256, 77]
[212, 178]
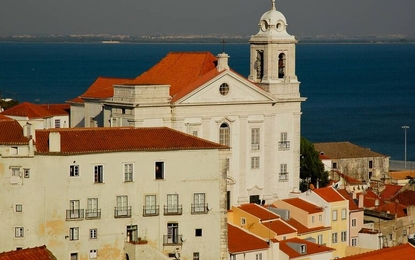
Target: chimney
[222, 61]
[361, 201]
[54, 142]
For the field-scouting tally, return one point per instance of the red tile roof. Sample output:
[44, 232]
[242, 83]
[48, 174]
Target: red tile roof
[103, 139]
[369, 199]
[312, 248]
[390, 191]
[103, 87]
[348, 179]
[259, 211]
[301, 229]
[279, 226]
[240, 241]
[405, 251]
[406, 197]
[329, 194]
[393, 208]
[179, 69]
[346, 195]
[36, 253]
[28, 110]
[11, 132]
[304, 205]
[341, 150]
[57, 109]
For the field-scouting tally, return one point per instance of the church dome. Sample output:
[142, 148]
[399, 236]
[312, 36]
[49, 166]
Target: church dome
[273, 23]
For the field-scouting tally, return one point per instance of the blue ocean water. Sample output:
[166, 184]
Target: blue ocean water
[362, 93]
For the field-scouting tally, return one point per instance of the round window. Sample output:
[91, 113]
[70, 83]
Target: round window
[224, 89]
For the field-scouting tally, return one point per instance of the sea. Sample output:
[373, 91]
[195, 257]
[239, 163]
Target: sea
[360, 93]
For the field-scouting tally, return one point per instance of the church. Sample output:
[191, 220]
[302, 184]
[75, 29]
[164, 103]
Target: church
[199, 94]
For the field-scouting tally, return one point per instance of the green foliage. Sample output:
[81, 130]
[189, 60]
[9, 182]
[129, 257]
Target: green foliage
[311, 166]
[8, 104]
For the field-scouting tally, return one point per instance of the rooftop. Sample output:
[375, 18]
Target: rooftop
[342, 150]
[35, 253]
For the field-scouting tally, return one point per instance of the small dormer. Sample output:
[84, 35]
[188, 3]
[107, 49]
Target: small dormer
[300, 248]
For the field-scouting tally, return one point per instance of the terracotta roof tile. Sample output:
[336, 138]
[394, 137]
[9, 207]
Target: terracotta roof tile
[329, 194]
[178, 69]
[402, 175]
[57, 109]
[240, 241]
[301, 229]
[103, 87]
[340, 150]
[406, 197]
[369, 199]
[259, 211]
[304, 205]
[279, 226]
[11, 132]
[312, 248]
[348, 179]
[393, 208]
[390, 191]
[35, 253]
[28, 110]
[95, 140]
[346, 195]
[405, 251]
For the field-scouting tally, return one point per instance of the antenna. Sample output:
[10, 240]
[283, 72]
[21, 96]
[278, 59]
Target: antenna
[223, 45]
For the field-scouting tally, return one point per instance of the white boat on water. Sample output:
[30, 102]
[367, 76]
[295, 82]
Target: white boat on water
[111, 41]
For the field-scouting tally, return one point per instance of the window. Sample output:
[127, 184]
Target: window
[303, 249]
[74, 233]
[93, 233]
[320, 217]
[19, 232]
[93, 253]
[159, 170]
[227, 164]
[99, 173]
[255, 138]
[224, 89]
[122, 206]
[14, 150]
[258, 256]
[132, 233]
[354, 222]
[224, 134]
[15, 171]
[74, 170]
[370, 175]
[198, 232]
[18, 207]
[26, 173]
[172, 203]
[199, 205]
[196, 256]
[312, 219]
[334, 165]
[344, 215]
[334, 215]
[172, 233]
[74, 209]
[354, 241]
[233, 257]
[150, 206]
[74, 256]
[254, 199]
[128, 172]
[320, 239]
[57, 123]
[344, 236]
[370, 164]
[255, 162]
[243, 221]
[281, 66]
[284, 144]
[283, 172]
[334, 238]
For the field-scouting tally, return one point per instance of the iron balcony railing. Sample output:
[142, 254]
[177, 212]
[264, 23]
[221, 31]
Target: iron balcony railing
[149, 211]
[283, 176]
[173, 210]
[170, 240]
[74, 214]
[200, 208]
[92, 213]
[122, 212]
[284, 145]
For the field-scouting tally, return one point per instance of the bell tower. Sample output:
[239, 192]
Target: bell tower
[272, 60]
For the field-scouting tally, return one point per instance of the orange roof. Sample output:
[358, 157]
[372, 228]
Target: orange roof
[301, 229]
[312, 248]
[393, 208]
[259, 211]
[114, 139]
[36, 253]
[402, 175]
[28, 110]
[57, 109]
[406, 197]
[348, 179]
[279, 226]
[240, 241]
[346, 195]
[304, 205]
[11, 132]
[179, 69]
[369, 198]
[405, 251]
[329, 194]
[103, 87]
[390, 191]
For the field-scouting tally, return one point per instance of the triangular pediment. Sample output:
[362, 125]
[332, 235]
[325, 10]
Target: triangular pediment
[237, 90]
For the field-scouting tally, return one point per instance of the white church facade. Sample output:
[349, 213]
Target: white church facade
[197, 93]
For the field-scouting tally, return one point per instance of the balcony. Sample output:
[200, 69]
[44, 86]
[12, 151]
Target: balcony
[172, 240]
[74, 214]
[173, 210]
[284, 145]
[92, 213]
[283, 176]
[149, 211]
[122, 212]
[201, 208]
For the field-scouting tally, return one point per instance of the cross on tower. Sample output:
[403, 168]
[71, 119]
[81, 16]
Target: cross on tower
[273, 4]
[223, 45]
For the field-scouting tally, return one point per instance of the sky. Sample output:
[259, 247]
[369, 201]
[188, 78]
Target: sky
[201, 17]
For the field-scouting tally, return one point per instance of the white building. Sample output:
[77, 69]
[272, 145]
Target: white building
[197, 93]
[101, 192]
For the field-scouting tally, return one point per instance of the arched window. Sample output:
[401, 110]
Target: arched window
[281, 65]
[224, 134]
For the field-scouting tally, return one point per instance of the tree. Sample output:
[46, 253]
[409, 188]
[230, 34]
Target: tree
[311, 167]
